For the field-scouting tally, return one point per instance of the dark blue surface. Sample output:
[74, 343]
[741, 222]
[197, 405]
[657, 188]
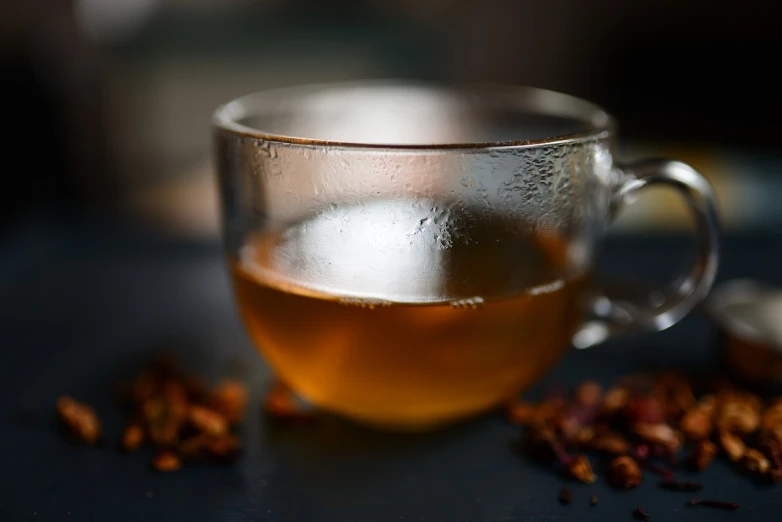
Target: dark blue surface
[84, 303]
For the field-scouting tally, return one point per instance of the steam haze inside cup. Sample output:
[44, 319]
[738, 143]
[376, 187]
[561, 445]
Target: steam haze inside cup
[414, 115]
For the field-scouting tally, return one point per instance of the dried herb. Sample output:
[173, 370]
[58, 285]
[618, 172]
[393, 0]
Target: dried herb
[565, 495]
[580, 469]
[132, 437]
[614, 400]
[702, 454]
[674, 392]
[738, 412]
[659, 434]
[165, 461]
[645, 421]
[731, 506]
[543, 445]
[640, 514]
[772, 450]
[80, 419]
[673, 485]
[593, 500]
[755, 462]
[588, 393]
[207, 421]
[643, 409]
[698, 422]
[624, 473]
[611, 443]
[733, 446]
[230, 400]
[176, 413]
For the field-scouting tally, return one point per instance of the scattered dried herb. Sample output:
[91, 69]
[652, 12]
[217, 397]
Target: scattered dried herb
[207, 421]
[703, 452]
[230, 400]
[614, 401]
[132, 437]
[772, 450]
[755, 462]
[581, 470]
[732, 445]
[611, 443]
[730, 506]
[698, 422]
[687, 485]
[624, 473]
[593, 500]
[174, 412]
[565, 495]
[543, 445]
[588, 393]
[80, 419]
[644, 409]
[165, 461]
[658, 434]
[640, 514]
[738, 412]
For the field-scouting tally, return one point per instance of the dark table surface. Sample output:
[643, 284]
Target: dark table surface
[85, 301]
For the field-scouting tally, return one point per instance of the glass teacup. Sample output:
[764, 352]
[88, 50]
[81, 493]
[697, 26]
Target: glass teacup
[406, 255]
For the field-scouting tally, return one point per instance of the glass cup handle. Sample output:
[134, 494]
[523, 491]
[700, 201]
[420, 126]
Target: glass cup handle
[665, 307]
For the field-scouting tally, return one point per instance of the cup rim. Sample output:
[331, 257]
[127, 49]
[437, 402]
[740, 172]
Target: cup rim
[600, 124]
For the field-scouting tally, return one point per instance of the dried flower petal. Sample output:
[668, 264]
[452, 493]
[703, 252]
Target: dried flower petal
[581, 470]
[624, 473]
[80, 419]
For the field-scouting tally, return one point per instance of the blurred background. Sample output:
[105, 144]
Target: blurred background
[110, 100]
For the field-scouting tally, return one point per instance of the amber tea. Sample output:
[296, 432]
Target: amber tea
[406, 314]
[406, 254]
